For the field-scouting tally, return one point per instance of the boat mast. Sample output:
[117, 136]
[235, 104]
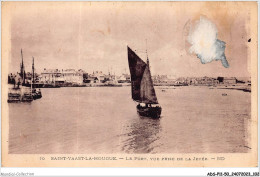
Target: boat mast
[147, 56]
[22, 66]
[32, 70]
[31, 80]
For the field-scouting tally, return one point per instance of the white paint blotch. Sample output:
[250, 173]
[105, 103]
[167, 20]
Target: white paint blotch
[204, 42]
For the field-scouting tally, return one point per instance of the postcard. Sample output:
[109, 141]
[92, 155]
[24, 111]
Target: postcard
[129, 84]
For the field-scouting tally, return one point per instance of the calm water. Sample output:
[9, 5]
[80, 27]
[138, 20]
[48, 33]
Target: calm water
[104, 120]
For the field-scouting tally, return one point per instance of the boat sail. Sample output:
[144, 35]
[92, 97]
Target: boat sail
[142, 86]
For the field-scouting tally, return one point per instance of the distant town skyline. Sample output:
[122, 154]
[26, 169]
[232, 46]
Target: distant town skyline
[94, 37]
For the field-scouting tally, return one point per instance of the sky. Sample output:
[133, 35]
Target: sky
[94, 36]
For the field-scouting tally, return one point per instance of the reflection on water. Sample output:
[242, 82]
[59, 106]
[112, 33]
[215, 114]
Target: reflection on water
[142, 135]
[104, 120]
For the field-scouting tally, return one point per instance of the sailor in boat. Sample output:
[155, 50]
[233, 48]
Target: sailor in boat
[144, 105]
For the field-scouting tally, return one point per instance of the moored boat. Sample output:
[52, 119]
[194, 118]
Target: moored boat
[36, 94]
[23, 93]
[19, 95]
[14, 97]
[27, 97]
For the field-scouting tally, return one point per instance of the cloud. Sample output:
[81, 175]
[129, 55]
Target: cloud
[204, 43]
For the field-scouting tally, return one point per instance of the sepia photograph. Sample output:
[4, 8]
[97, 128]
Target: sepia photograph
[149, 84]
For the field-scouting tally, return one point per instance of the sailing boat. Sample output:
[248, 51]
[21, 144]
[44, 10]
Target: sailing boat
[142, 86]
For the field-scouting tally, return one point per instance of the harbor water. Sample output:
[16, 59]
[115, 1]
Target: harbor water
[100, 120]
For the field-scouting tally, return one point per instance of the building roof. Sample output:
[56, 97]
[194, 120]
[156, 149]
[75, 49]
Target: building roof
[50, 71]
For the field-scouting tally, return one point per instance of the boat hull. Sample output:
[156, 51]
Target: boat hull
[153, 112]
[27, 98]
[17, 100]
[13, 100]
[37, 96]
[17, 97]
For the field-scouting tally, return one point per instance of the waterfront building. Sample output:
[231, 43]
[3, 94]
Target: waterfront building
[230, 80]
[124, 78]
[160, 79]
[50, 75]
[91, 79]
[201, 81]
[72, 76]
[96, 77]
[227, 80]
[61, 76]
